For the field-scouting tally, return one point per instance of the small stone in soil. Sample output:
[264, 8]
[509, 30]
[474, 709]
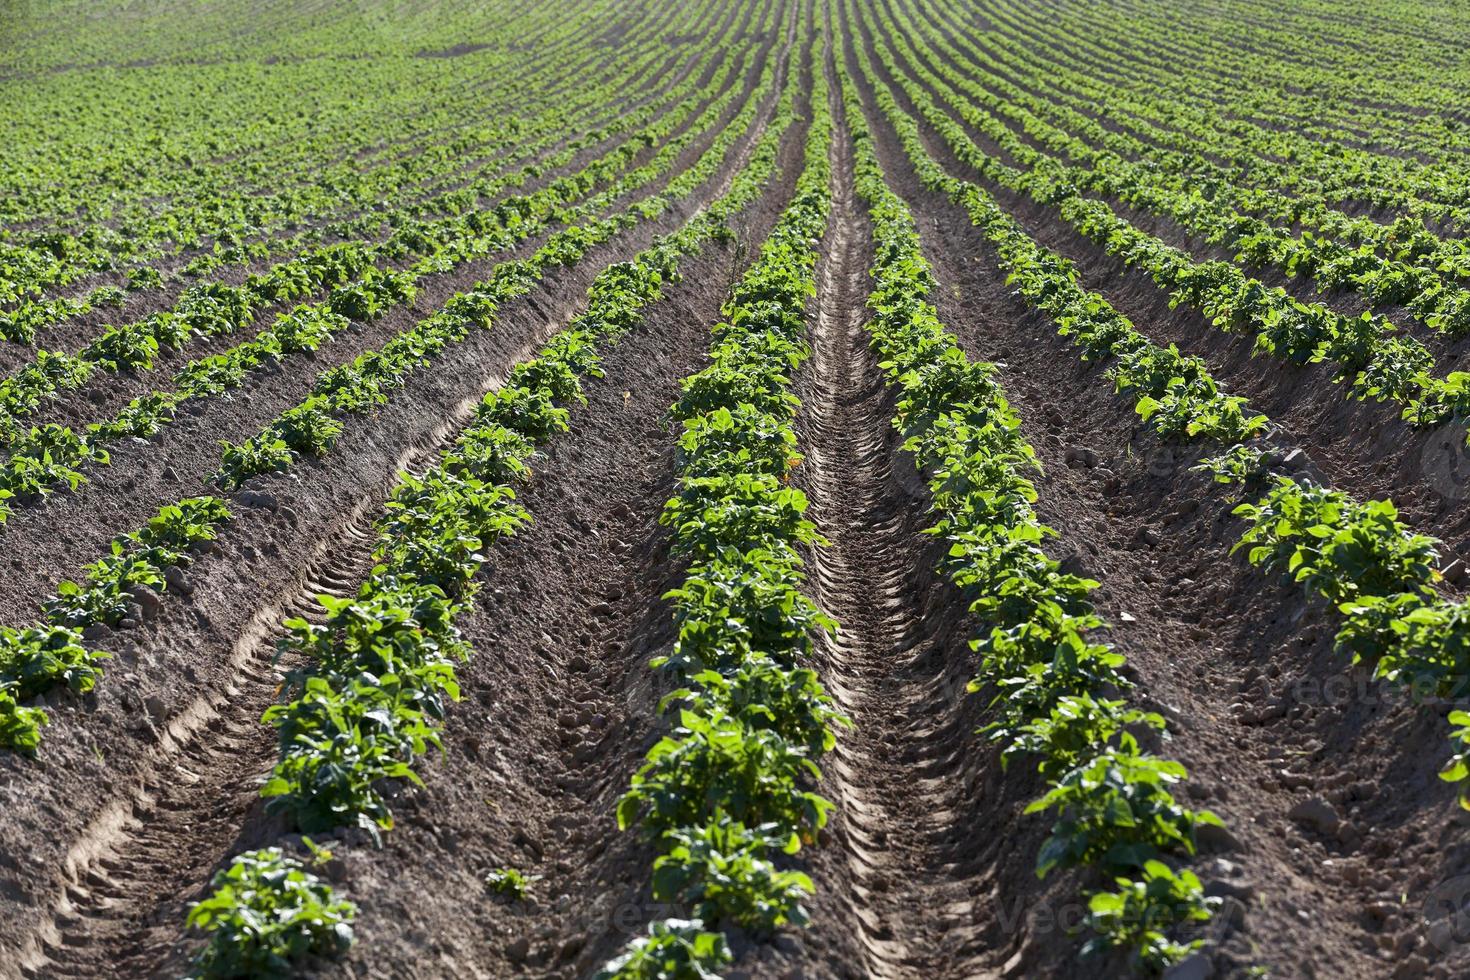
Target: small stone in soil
[1196, 967]
[1220, 888]
[529, 843]
[1295, 780]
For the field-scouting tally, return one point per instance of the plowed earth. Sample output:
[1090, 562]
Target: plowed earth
[146, 787]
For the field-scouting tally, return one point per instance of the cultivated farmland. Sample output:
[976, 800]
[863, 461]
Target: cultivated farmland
[922, 489]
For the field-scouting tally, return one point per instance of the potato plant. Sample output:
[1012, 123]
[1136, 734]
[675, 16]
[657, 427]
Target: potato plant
[266, 916]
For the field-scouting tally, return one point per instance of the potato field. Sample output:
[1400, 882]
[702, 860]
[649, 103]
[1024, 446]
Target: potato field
[897, 489]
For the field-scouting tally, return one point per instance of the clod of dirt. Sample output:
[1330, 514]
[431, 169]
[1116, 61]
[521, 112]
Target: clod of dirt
[173, 576]
[1317, 813]
[1212, 839]
[1082, 456]
[157, 709]
[147, 601]
[257, 498]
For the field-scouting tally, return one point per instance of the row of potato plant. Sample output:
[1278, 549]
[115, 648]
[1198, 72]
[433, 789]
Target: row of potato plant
[1253, 161]
[37, 659]
[1058, 696]
[287, 184]
[1412, 279]
[1173, 392]
[417, 228]
[311, 427]
[436, 528]
[725, 794]
[67, 447]
[1379, 574]
[215, 308]
[23, 323]
[1263, 146]
[353, 272]
[425, 177]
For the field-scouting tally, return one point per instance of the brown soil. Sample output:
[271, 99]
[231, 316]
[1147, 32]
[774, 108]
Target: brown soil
[110, 813]
[903, 887]
[147, 786]
[1262, 711]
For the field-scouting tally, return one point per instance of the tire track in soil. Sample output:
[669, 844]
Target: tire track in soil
[900, 771]
[119, 915]
[147, 857]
